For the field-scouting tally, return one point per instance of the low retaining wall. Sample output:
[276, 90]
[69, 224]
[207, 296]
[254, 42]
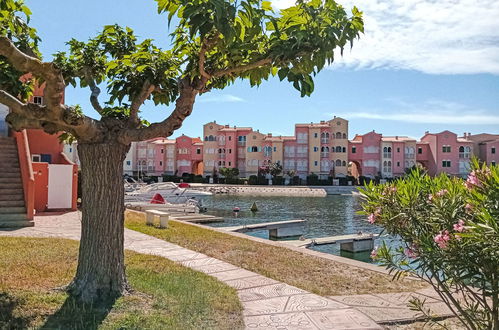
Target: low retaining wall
[263, 190]
[287, 191]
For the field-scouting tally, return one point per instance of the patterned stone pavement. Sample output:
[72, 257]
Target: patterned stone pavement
[268, 304]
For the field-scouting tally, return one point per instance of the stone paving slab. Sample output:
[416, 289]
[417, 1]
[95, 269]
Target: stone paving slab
[268, 304]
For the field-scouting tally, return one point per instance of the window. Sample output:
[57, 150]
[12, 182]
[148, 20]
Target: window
[354, 150]
[160, 163]
[128, 163]
[38, 100]
[493, 150]
[325, 138]
[70, 149]
[398, 149]
[338, 162]
[343, 149]
[230, 138]
[315, 163]
[445, 148]
[420, 150]
[275, 149]
[493, 163]
[338, 135]
[398, 164]
[230, 151]
[338, 149]
[162, 151]
[316, 149]
[315, 135]
[446, 163]
[198, 151]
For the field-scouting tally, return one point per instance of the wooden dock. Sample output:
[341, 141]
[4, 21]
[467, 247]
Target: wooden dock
[265, 225]
[196, 218]
[343, 240]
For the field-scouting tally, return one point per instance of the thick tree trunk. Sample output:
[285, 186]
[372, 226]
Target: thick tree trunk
[101, 266]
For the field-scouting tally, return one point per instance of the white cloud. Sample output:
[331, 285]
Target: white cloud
[432, 36]
[223, 98]
[429, 112]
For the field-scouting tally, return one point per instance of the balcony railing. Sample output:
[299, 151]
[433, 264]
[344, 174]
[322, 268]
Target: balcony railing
[324, 141]
[241, 143]
[222, 156]
[387, 155]
[464, 155]
[409, 156]
[221, 142]
[324, 154]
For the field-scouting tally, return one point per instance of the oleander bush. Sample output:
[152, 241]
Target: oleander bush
[449, 236]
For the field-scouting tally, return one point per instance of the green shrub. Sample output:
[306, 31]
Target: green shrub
[312, 179]
[449, 237]
[253, 179]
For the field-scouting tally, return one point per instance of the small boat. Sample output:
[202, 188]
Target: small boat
[170, 191]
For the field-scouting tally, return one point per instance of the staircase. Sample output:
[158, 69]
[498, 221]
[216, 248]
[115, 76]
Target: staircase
[12, 206]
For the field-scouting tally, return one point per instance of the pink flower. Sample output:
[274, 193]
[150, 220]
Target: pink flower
[394, 189]
[410, 253]
[442, 192]
[374, 254]
[430, 198]
[459, 226]
[472, 180]
[371, 218]
[442, 238]
[468, 207]
[458, 237]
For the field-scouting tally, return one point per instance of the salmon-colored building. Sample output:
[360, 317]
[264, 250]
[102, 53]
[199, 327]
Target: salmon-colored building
[35, 174]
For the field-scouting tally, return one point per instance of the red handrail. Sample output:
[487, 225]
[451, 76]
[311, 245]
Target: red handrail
[28, 177]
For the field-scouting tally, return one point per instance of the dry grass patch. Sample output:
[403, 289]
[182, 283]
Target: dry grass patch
[314, 274]
[166, 295]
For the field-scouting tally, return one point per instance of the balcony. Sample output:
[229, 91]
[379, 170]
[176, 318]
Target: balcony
[221, 156]
[324, 140]
[409, 156]
[464, 155]
[241, 143]
[387, 155]
[221, 142]
[324, 154]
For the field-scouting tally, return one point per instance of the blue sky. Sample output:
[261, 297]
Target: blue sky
[421, 65]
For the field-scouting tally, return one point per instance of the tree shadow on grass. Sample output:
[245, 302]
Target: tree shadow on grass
[76, 315]
[8, 304]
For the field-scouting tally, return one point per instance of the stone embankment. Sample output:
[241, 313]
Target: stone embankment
[286, 191]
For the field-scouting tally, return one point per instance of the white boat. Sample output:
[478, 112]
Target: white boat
[168, 190]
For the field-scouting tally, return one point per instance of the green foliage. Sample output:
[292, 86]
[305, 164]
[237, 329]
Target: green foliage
[229, 172]
[117, 59]
[297, 43]
[449, 232]
[14, 19]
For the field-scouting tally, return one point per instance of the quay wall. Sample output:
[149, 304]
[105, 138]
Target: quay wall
[286, 191]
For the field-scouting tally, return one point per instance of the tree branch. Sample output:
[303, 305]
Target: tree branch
[183, 108]
[54, 90]
[242, 68]
[205, 46]
[94, 96]
[137, 102]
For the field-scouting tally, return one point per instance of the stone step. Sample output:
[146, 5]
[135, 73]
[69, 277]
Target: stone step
[8, 147]
[12, 209]
[9, 157]
[10, 169]
[11, 203]
[14, 197]
[10, 174]
[9, 185]
[10, 179]
[12, 216]
[10, 191]
[16, 223]
[9, 162]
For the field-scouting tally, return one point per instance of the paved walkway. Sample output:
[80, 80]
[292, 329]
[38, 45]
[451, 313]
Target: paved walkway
[267, 303]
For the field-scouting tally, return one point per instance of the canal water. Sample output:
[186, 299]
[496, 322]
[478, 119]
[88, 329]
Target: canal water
[329, 216]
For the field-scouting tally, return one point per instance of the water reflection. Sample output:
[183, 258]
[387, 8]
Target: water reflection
[329, 216]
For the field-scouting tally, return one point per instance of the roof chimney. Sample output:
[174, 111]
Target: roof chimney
[397, 137]
[226, 126]
[427, 132]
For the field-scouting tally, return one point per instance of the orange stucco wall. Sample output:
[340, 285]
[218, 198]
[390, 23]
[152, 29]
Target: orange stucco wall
[41, 171]
[43, 143]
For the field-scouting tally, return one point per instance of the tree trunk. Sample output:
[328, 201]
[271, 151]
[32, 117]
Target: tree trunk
[100, 275]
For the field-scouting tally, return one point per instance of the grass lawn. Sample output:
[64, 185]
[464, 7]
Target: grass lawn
[314, 274]
[165, 296]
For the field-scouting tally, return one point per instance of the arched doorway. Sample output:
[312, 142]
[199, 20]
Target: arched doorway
[198, 168]
[354, 169]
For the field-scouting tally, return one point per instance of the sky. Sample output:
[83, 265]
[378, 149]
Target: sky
[421, 65]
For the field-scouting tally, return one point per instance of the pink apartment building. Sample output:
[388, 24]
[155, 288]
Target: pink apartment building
[321, 148]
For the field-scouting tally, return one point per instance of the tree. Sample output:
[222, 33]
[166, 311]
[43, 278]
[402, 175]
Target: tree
[214, 43]
[229, 172]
